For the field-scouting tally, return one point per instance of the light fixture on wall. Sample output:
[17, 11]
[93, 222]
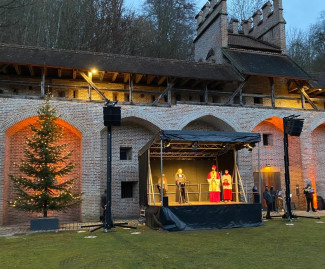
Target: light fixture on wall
[195, 145]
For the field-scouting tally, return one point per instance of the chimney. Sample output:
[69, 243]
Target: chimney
[247, 25]
[266, 8]
[234, 26]
[257, 17]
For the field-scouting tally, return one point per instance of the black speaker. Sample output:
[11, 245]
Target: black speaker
[165, 201]
[293, 127]
[112, 115]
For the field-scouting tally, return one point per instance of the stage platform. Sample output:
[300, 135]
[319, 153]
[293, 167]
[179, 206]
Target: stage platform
[202, 216]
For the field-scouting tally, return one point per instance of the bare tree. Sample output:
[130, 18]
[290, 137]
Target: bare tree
[173, 25]
[243, 9]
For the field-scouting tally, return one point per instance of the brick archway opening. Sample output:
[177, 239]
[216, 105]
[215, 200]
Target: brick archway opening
[14, 147]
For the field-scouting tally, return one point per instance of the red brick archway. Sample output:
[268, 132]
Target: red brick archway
[15, 141]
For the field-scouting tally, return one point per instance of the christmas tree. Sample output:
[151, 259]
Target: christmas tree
[45, 164]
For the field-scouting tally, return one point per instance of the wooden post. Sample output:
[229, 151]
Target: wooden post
[206, 97]
[131, 88]
[272, 92]
[90, 76]
[43, 84]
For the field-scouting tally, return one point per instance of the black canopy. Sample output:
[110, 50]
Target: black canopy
[211, 136]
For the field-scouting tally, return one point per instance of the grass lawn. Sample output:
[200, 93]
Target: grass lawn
[274, 245]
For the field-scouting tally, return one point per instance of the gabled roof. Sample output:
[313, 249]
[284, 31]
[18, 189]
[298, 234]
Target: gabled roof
[115, 63]
[265, 64]
[248, 42]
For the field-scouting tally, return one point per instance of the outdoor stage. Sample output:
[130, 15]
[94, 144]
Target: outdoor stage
[194, 152]
[196, 216]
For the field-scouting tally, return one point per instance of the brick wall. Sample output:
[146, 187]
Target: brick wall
[138, 126]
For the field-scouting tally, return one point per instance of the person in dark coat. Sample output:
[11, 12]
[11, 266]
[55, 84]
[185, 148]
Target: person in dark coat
[268, 199]
[308, 191]
[273, 194]
[256, 195]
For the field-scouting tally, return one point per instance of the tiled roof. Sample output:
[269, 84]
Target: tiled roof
[265, 64]
[247, 42]
[115, 63]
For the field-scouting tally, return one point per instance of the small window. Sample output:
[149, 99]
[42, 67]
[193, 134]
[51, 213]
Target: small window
[115, 97]
[61, 94]
[267, 140]
[166, 98]
[178, 97]
[127, 189]
[1, 91]
[75, 94]
[153, 98]
[258, 101]
[215, 99]
[190, 98]
[201, 98]
[125, 154]
[237, 100]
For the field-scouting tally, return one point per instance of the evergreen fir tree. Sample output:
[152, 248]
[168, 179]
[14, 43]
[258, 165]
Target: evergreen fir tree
[44, 165]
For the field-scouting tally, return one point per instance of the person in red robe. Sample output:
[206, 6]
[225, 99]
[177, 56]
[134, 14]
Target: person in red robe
[214, 185]
[227, 186]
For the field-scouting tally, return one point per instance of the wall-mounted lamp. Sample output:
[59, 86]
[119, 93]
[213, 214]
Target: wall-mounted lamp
[194, 146]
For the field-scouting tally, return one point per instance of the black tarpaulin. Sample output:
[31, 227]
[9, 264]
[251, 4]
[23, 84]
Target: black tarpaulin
[186, 218]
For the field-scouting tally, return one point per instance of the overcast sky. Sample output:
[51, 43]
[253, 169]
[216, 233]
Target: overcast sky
[297, 13]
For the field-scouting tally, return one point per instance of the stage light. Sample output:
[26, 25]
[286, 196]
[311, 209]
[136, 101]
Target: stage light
[94, 70]
[167, 145]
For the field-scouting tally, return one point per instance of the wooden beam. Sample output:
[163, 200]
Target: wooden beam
[31, 70]
[93, 85]
[101, 75]
[161, 81]
[302, 100]
[17, 69]
[43, 83]
[169, 88]
[197, 82]
[60, 72]
[126, 78]
[114, 77]
[74, 73]
[308, 99]
[4, 69]
[272, 92]
[206, 96]
[237, 91]
[44, 70]
[131, 89]
[184, 82]
[138, 77]
[150, 78]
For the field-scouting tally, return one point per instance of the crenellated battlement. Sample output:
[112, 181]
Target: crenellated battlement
[266, 24]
